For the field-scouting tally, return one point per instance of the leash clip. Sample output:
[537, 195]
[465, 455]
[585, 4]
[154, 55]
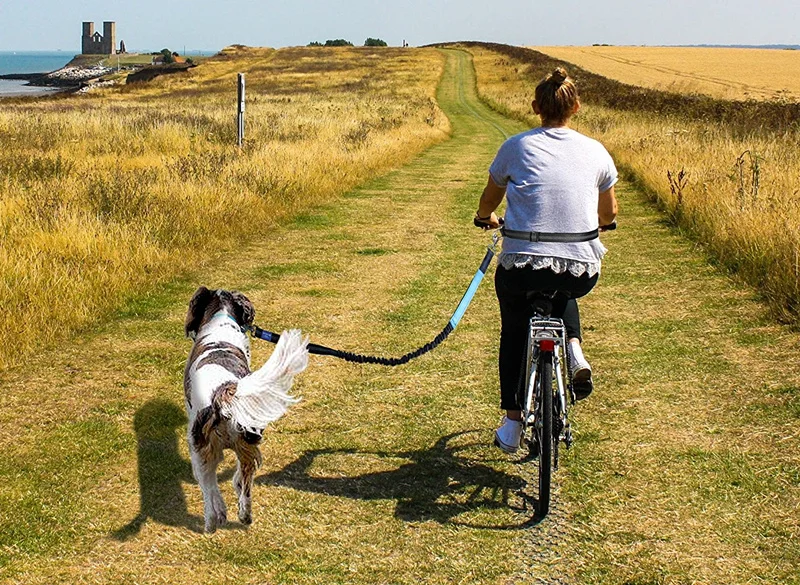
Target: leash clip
[496, 235]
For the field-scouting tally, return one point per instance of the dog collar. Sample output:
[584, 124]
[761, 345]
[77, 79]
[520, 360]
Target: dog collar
[244, 329]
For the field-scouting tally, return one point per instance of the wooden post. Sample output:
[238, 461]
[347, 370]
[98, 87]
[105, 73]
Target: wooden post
[240, 111]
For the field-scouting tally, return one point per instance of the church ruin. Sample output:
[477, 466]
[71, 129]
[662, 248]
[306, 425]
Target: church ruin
[93, 43]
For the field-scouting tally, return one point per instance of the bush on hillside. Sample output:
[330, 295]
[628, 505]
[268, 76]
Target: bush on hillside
[370, 42]
[338, 43]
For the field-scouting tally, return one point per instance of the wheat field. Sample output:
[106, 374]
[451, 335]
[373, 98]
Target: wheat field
[105, 194]
[727, 73]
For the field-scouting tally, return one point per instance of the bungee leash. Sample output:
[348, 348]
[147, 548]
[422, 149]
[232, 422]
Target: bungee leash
[357, 358]
[397, 361]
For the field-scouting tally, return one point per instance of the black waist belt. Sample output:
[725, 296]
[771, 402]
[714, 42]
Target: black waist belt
[549, 237]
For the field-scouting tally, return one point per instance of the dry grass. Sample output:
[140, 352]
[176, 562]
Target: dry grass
[106, 194]
[740, 194]
[727, 73]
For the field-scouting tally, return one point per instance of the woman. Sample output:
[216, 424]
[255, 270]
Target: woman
[556, 180]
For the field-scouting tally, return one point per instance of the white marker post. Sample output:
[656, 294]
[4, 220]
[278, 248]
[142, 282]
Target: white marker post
[240, 111]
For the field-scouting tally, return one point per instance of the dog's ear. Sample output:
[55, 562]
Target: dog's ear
[197, 306]
[245, 312]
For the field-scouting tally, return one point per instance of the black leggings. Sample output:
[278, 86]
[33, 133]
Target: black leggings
[511, 286]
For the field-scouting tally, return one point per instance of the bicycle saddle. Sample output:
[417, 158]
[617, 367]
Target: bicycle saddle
[542, 300]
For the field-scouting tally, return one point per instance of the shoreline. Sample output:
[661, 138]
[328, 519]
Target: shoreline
[41, 80]
[73, 76]
[15, 89]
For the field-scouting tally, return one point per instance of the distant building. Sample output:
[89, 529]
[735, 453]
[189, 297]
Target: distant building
[161, 59]
[93, 43]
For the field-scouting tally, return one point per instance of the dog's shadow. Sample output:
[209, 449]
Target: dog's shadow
[162, 470]
[440, 483]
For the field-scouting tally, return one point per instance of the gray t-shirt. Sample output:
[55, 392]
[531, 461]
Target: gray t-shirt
[553, 177]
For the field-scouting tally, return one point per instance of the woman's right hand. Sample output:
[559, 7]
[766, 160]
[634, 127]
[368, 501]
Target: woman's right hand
[487, 223]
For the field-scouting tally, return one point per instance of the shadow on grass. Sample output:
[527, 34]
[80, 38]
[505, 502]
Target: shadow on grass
[161, 469]
[441, 483]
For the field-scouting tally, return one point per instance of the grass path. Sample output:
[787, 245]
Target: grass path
[685, 468]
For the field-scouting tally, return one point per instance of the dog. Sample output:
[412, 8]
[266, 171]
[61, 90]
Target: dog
[228, 405]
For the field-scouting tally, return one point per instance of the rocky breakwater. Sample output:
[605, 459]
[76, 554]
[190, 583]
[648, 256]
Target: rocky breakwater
[72, 76]
[68, 77]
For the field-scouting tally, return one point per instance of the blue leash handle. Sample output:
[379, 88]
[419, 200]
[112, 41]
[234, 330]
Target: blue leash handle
[473, 287]
[366, 359]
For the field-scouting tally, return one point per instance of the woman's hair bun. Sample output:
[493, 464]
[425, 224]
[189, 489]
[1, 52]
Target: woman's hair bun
[559, 75]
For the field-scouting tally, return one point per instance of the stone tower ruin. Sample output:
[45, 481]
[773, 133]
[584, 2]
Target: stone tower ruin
[93, 43]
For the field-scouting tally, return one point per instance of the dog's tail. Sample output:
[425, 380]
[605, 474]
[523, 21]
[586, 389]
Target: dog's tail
[263, 396]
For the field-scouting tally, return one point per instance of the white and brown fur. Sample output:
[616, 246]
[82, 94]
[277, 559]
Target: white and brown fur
[228, 405]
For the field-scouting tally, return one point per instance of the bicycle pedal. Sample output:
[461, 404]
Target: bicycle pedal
[533, 447]
[568, 439]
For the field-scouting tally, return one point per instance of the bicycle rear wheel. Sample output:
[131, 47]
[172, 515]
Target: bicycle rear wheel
[544, 430]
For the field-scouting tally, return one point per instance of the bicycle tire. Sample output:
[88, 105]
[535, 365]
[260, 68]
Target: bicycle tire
[545, 431]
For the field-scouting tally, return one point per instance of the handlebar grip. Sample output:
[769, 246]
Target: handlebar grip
[485, 225]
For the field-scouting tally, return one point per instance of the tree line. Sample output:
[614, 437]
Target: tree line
[370, 42]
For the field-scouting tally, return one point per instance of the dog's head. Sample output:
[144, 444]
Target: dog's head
[205, 303]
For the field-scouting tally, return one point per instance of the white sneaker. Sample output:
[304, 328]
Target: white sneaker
[508, 436]
[581, 371]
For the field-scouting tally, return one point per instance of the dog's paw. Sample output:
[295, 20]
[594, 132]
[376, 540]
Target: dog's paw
[245, 514]
[216, 514]
[216, 520]
[211, 525]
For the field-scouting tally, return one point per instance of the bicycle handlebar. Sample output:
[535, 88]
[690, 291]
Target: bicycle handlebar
[484, 225]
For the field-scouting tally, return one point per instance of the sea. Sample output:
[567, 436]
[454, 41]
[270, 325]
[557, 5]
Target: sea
[29, 62]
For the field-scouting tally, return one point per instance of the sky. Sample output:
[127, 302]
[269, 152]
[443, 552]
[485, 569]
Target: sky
[213, 24]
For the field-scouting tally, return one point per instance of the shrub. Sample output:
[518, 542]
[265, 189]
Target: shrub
[370, 42]
[338, 43]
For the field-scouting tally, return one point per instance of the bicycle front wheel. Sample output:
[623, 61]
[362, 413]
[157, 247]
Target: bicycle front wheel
[544, 430]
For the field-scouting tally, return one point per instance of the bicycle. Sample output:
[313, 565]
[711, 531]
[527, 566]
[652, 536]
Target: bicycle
[546, 390]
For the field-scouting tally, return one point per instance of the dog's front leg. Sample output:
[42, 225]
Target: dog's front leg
[204, 466]
[249, 460]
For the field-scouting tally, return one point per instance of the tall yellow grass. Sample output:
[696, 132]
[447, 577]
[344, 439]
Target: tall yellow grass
[740, 194]
[105, 194]
[728, 73]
